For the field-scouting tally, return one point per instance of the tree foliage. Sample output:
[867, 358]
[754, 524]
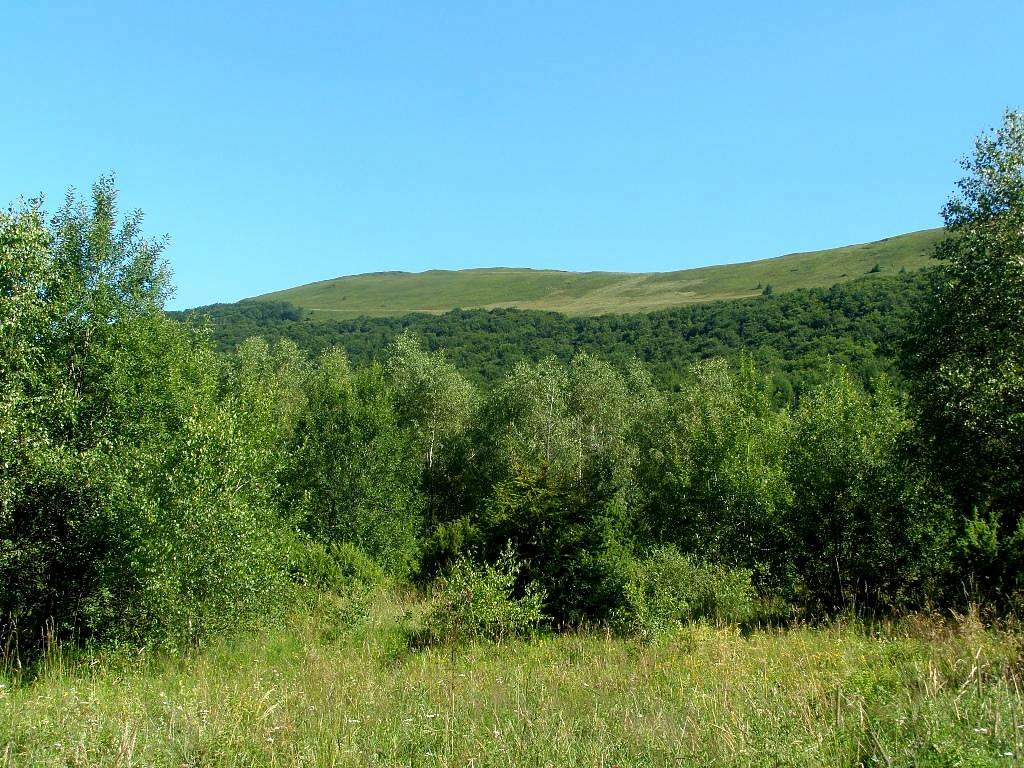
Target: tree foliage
[126, 507]
[965, 358]
[352, 473]
[794, 337]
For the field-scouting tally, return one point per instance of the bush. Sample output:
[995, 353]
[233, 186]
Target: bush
[547, 466]
[568, 533]
[337, 567]
[477, 602]
[666, 589]
[712, 475]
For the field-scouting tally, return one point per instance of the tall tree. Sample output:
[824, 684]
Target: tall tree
[353, 474]
[966, 356]
[127, 510]
[432, 396]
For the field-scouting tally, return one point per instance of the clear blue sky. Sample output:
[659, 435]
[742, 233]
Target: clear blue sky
[283, 143]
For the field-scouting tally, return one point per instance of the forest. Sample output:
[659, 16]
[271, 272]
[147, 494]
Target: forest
[769, 463]
[794, 336]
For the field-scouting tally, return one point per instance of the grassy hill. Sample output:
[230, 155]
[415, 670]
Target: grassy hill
[595, 293]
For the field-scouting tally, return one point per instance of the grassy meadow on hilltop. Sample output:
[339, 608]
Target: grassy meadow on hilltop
[596, 293]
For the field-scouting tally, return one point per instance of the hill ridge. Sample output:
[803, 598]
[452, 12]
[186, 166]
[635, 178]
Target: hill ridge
[393, 293]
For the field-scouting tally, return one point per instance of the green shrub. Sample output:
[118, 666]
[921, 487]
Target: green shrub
[666, 589]
[310, 565]
[547, 466]
[869, 526]
[336, 567]
[355, 565]
[712, 473]
[478, 602]
[568, 533]
[206, 544]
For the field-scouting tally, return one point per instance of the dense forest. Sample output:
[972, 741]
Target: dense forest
[629, 472]
[794, 336]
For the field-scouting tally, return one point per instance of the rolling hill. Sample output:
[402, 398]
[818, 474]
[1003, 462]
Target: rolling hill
[383, 294]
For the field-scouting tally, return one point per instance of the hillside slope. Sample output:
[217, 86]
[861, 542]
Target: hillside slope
[595, 293]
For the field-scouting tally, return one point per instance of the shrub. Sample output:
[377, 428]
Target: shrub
[477, 602]
[666, 589]
[712, 475]
[568, 532]
[355, 565]
[335, 567]
[206, 543]
[547, 465]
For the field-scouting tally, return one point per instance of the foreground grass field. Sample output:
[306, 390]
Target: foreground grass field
[340, 692]
[594, 293]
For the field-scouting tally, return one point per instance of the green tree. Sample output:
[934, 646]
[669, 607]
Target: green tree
[548, 466]
[125, 511]
[868, 526]
[353, 474]
[24, 246]
[712, 478]
[265, 389]
[965, 358]
[432, 397]
[435, 405]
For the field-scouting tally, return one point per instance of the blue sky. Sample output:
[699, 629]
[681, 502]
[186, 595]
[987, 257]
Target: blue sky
[283, 143]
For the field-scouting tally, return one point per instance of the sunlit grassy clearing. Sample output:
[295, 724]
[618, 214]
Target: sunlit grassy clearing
[307, 694]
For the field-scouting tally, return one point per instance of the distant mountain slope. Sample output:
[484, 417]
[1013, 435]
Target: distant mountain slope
[595, 293]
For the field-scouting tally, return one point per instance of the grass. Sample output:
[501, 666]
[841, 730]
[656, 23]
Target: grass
[320, 693]
[591, 293]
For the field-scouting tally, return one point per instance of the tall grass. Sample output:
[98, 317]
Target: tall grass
[341, 689]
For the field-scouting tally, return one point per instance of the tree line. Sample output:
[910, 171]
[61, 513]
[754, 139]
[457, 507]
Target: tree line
[793, 336]
[154, 489]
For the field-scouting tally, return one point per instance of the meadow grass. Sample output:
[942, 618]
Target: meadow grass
[594, 293]
[330, 689]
